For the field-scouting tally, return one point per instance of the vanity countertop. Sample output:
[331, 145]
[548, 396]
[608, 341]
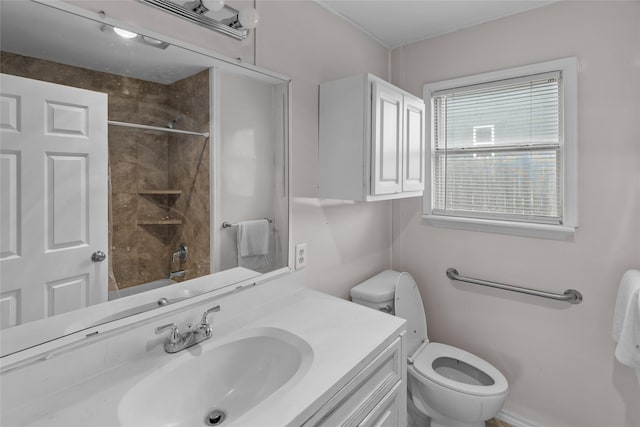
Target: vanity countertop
[85, 387]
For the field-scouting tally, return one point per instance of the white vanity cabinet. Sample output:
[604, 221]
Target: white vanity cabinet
[375, 396]
[349, 370]
[371, 140]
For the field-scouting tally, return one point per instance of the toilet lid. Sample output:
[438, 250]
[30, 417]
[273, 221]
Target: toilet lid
[409, 306]
[483, 378]
[379, 288]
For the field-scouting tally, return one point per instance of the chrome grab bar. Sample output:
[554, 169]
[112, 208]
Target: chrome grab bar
[570, 295]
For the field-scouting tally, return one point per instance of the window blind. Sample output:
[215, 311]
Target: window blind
[497, 149]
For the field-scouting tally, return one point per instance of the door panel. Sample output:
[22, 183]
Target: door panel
[67, 201]
[386, 156]
[10, 113]
[67, 294]
[413, 173]
[9, 205]
[66, 119]
[53, 166]
[9, 302]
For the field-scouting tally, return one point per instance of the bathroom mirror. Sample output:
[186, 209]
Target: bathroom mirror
[122, 155]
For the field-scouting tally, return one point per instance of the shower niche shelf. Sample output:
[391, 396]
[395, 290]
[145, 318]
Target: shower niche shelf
[171, 221]
[162, 198]
[160, 192]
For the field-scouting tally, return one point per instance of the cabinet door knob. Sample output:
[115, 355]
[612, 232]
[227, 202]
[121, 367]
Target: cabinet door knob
[98, 256]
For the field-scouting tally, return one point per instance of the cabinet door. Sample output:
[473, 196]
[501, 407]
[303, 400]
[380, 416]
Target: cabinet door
[413, 153]
[387, 412]
[386, 144]
[355, 401]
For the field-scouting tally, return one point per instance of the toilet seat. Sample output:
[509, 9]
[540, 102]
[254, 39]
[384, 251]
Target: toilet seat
[423, 366]
[409, 306]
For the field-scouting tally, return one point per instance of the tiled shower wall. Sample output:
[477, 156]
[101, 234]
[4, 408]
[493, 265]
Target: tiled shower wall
[189, 171]
[147, 160]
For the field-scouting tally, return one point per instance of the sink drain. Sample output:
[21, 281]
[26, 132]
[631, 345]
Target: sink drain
[214, 418]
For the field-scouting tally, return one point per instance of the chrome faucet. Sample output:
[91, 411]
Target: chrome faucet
[179, 341]
[179, 273]
[181, 254]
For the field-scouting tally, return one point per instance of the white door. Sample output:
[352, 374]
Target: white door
[386, 156]
[413, 171]
[53, 200]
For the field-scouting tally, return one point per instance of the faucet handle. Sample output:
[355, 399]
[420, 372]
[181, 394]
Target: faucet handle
[174, 335]
[206, 314]
[204, 327]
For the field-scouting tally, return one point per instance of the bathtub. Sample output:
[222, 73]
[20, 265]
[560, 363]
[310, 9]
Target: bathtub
[132, 290]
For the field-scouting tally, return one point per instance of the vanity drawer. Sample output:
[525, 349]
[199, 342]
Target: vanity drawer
[387, 412]
[363, 393]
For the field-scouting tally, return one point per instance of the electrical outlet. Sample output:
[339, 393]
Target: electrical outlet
[301, 255]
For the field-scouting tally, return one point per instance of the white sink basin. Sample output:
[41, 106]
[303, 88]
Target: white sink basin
[233, 377]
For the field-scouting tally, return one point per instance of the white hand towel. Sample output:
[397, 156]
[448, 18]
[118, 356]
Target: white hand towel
[253, 237]
[253, 243]
[626, 321]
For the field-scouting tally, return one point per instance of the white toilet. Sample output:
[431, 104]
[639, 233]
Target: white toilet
[447, 386]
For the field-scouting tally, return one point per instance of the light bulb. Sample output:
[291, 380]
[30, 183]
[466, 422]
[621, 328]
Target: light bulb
[124, 33]
[213, 5]
[248, 18]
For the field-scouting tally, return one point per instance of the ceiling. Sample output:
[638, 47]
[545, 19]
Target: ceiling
[39, 31]
[32, 29]
[399, 22]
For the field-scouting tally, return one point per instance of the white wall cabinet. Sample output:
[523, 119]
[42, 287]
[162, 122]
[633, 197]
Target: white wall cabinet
[371, 140]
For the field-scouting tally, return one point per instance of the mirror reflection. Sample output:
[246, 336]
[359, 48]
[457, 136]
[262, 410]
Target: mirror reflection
[119, 165]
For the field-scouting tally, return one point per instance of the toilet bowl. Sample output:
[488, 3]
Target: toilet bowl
[447, 386]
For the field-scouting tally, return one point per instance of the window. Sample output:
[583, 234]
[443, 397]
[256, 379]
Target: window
[503, 151]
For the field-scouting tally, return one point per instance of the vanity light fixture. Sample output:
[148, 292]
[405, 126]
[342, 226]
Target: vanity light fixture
[203, 6]
[212, 14]
[134, 37]
[124, 33]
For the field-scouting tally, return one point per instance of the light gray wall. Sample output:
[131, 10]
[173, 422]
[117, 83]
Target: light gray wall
[347, 242]
[557, 357]
[247, 188]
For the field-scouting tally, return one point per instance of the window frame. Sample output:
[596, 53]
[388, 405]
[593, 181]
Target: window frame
[568, 67]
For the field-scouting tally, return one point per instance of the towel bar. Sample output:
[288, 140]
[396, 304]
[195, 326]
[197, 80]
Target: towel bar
[226, 224]
[570, 295]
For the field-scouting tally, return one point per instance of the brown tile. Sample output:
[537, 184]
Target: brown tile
[154, 253]
[153, 149]
[494, 422]
[152, 207]
[122, 147]
[124, 177]
[124, 254]
[150, 177]
[124, 208]
[122, 108]
[153, 111]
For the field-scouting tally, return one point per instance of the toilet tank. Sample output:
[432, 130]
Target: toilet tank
[377, 292]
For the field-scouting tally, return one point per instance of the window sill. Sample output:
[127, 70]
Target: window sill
[544, 231]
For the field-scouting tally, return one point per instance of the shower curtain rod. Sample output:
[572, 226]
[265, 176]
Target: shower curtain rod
[139, 126]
